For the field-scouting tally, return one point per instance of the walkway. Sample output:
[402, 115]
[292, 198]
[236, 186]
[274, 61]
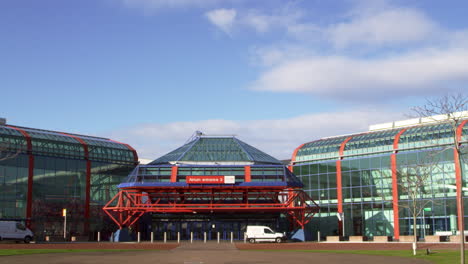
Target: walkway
[201, 253]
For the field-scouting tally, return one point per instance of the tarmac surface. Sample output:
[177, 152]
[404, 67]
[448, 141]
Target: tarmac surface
[200, 253]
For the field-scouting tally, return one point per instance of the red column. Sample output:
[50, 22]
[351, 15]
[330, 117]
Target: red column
[393, 164]
[339, 185]
[30, 174]
[174, 174]
[247, 174]
[88, 172]
[458, 175]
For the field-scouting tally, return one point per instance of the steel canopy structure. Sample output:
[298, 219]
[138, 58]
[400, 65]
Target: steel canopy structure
[212, 175]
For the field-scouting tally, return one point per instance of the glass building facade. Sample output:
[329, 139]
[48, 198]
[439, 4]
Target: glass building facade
[363, 176]
[43, 172]
[256, 180]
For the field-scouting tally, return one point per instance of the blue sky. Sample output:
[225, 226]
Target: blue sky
[275, 73]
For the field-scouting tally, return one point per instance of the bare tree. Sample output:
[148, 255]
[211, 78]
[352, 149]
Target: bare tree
[414, 180]
[454, 108]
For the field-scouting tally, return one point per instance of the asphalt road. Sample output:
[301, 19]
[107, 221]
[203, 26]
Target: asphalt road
[199, 253]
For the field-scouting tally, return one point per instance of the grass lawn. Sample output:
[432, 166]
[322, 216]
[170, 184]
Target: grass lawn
[437, 257]
[10, 252]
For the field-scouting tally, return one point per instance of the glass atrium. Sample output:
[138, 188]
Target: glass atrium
[43, 172]
[353, 174]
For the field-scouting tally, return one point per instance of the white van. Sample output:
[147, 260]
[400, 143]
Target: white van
[263, 234]
[12, 230]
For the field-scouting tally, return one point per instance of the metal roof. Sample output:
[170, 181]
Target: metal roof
[216, 149]
[47, 142]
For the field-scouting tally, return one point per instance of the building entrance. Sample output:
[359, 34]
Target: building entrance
[210, 225]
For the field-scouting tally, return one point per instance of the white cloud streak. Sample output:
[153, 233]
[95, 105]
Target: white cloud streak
[344, 77]
[260, 22]
[277, 137]
[377, 53]
[387, 27]
[222, 18]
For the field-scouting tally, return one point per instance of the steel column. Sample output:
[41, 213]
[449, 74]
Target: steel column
[339, 185]
[174, 174]
[393, 164]
[30, 173]
[88, 174]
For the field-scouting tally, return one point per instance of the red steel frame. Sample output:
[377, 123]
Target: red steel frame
[293, 158]
[88, 172]
[339, 185]
[130, 204]
[30, 174]
[393, 161]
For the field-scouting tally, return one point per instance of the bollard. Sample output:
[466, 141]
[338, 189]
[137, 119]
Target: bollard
[204, 237]
[218, 237]
[112, 237]
[318, 235]
[152, 237]
[138, 237]
[98, 236]
[165, 237]
[178, 237]
[245, 238]
[191, 237]
[232, 237]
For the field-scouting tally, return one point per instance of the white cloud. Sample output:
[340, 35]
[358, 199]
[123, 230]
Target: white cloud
[351, 78]
[222, 18]
[276, 137]
[261, 22]
[387, 27]
[282, 18]
[277, 54]
[375, 26]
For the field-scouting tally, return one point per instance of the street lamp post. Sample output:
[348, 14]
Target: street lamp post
[64, 214]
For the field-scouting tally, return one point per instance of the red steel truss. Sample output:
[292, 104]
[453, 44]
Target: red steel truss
[130, 204]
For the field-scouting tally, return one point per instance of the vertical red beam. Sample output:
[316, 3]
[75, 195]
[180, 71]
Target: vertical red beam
[393, 164]
[174, 174]
[458, 175]
[247, 174]
[339, 184]
[30, 174]
[88, 172]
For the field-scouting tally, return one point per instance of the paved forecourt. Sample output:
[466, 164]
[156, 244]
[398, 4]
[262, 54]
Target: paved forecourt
[198, 253]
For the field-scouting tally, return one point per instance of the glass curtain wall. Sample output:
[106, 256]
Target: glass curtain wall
[366, 175]
[13, 187]
[59, 176]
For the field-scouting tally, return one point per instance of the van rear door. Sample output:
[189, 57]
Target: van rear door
[7, 230]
